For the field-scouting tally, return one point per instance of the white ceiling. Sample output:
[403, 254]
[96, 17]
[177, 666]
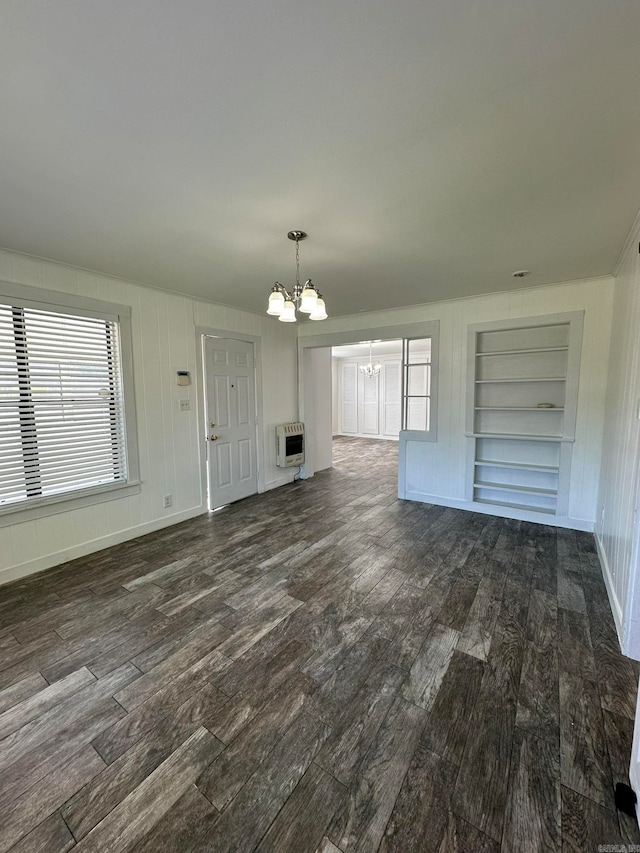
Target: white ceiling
[428, 147]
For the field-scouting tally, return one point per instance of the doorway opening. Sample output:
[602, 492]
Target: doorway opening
[400, 399]
[378, 388]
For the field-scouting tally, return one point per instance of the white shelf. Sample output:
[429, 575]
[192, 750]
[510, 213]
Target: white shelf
[510, 505]
[519, 409]
[524, 379]
[507, 487]
[513, 366]
[517, 437]
[525, 466]
[522, 351]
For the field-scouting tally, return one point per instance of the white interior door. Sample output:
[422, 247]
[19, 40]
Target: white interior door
[231, 420]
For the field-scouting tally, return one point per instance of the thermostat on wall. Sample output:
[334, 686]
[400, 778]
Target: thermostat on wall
[183, 377]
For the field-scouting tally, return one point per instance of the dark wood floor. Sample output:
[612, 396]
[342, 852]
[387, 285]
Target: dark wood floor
[320, 668]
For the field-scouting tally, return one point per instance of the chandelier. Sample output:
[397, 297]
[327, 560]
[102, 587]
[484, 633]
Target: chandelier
[307, 300]
[371, 369]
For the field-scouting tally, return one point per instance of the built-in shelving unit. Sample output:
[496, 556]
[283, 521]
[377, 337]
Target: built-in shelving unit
[523, 380]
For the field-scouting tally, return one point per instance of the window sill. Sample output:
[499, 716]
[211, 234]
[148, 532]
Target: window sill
[17, 514]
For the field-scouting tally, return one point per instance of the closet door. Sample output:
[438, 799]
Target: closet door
[368, 394]
[349, 399]
[391, 398]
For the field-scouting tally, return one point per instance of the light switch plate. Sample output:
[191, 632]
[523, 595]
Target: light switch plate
[185, 405]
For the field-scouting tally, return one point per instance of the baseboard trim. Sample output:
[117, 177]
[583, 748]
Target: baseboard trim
[40, 564]
[502, 512]
[616, 609]
[284, 480]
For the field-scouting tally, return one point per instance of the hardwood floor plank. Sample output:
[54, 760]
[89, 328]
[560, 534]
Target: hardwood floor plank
[336, 639]
[300, 825]
[138, 812]
[96, 799]
[477, 631]
[32, 766]
[193, 659]
[47, 795]
[23, 652]
[618, 732]
[21, 690]
[222, 780]
[179, 829]
[57, 721]
[538, 695]
[360, 822]
[358, 726]
[395, 615]
[570, 592]
[587, 825]
[165, 719]
[447, 725]
[458, 603]
[127, 606]
[409, 640]
[383, 591]
[161, 575]
[420, 815]
[251, 813]
[584, 756]
[430, 667]
[616, 675]
[480, 794]
[329, 702]
[106, 640]
[249, 634]
[190, 630]
[533, 814]
[462, 837]
[575, 640]
[51, 836]
[23, 712]
[326, 846]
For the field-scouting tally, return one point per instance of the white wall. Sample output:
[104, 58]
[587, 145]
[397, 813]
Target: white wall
[438, 469]
[170, 441]
[617, 524]
[318, 415]
[335, 398]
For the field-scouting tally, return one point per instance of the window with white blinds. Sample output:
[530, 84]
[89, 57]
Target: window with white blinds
[62, 424]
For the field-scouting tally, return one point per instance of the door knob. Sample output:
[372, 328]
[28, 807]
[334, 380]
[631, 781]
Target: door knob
[213, 437]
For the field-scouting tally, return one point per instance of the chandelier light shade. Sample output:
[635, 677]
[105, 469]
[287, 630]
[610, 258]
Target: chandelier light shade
[371, 370]
[304, 299]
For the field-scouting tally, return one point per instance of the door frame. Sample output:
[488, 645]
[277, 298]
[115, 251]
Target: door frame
[256, 340]
[426, 328]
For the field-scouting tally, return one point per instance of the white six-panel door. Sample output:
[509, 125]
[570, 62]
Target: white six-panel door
[231, 420]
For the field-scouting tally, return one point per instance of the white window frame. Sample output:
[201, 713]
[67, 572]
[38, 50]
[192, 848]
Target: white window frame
[404, 393]
[66, 303]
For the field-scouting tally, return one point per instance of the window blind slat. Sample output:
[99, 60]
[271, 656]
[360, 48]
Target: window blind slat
[61, 403]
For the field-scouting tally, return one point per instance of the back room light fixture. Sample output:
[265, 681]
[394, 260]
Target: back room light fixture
[371, 370]
[305, 299]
